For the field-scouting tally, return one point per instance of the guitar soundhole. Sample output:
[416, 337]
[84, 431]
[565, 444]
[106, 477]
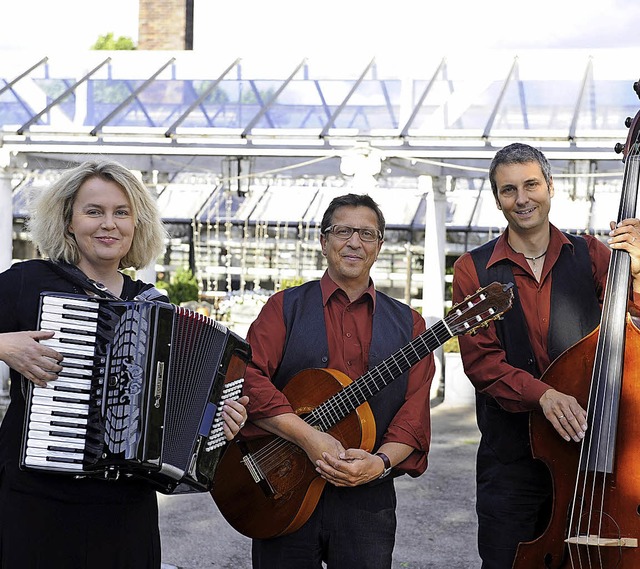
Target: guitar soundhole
[284, 468]
[290, 471]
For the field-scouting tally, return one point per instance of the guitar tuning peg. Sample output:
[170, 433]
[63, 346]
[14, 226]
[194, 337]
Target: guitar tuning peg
[618, 148]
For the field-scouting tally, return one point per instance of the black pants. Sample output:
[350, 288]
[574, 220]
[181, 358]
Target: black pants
[42, 533]
[513, 505]
[351, 528]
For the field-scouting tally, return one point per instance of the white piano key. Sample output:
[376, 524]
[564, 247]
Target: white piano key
[87, 303]
[50, 418]
[67, 443]
[72, 375]
[48, 403]
[53, 464]
[62, 346]
[71, 453]
[72, 338]
[57, 323]
[49, 392]
[73, 382]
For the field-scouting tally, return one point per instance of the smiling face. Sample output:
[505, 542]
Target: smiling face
[103, 225]
[349, 261]
[523, 196]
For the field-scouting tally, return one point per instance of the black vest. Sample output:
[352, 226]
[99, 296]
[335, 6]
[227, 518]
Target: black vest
[575, 312]
[306, 344]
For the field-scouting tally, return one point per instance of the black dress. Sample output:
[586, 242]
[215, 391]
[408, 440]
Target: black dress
[55, 521]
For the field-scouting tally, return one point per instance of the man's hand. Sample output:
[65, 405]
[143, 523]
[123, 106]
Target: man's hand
[565, 413]
[351, 468]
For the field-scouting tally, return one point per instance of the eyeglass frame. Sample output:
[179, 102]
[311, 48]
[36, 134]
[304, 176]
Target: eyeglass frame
[353, 230]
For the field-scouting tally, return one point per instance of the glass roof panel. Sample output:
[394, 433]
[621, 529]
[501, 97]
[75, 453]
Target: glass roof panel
[606, 105]
[181, 202]
[463, 95]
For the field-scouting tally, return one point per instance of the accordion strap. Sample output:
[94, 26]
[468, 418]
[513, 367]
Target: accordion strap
[77, 277]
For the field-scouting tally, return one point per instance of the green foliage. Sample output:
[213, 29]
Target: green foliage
[451, 345]
[288, 283]
[108, 42]
[182, 288]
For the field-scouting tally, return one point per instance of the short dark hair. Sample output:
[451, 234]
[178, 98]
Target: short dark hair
[354, 200]
[518, 153]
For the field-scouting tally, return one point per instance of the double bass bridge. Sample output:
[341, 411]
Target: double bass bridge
[597, 541]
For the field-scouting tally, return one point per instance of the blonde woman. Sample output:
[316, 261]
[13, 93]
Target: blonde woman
[97, 219]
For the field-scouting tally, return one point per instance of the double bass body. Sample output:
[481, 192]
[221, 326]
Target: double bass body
[595, 520]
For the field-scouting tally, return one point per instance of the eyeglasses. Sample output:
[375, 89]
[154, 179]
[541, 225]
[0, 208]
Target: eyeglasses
[345, 232]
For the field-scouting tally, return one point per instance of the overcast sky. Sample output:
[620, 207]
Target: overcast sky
[355, 27]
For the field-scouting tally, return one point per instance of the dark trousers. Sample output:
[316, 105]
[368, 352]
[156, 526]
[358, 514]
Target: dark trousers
[42, 533]
[351, 528]
[513, 505]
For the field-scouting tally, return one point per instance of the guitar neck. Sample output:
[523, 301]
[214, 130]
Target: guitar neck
[337, 407]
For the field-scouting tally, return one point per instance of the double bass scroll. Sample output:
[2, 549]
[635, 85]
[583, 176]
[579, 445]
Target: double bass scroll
[595, 520]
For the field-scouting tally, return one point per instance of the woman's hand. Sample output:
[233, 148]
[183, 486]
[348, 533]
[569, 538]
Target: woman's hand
[23, 352]
[234, 414]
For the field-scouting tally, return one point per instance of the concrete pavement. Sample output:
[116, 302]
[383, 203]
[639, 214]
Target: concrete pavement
[436, 515]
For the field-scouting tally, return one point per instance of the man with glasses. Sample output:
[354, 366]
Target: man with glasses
[341, 322]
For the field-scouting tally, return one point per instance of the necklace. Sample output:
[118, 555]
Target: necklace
[534, 259]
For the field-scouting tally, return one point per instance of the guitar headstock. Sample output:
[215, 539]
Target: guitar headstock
[478, 309]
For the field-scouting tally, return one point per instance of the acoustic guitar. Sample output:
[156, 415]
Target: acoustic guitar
[268, 487]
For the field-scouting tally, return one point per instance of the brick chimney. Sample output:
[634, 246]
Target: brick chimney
[165, 24]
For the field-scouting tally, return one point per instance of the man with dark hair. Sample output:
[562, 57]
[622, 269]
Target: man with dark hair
[343, 323]
[559, 287]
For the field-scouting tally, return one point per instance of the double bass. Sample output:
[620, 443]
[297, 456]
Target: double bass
[595, 519]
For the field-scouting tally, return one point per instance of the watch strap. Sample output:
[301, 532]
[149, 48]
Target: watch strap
[387, 464]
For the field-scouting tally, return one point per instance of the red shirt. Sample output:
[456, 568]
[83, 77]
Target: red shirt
[484, 360]
[349, 329]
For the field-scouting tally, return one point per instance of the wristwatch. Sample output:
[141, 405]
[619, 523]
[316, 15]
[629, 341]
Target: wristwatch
[387, 464]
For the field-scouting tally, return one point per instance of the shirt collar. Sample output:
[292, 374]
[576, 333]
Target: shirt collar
[503, 250]
[329, 288]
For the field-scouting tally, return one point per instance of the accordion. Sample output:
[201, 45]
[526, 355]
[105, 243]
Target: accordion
[139, 395]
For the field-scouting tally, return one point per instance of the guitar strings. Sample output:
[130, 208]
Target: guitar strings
[271, 454]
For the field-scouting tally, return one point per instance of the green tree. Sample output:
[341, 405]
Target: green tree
[108, 42]
[183, 287]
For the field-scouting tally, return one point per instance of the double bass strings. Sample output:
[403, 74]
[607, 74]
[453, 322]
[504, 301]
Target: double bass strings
[596, 463]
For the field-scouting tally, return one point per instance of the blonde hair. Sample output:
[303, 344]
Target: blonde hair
[52, 210]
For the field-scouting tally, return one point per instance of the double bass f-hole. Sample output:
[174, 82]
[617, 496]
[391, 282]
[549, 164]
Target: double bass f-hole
[595, 519]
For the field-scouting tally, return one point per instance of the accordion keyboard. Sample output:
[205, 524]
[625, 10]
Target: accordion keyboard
[59, 413]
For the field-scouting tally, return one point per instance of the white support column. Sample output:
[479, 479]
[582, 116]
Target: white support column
[434, 261]
[147, 274]
[6, 252]
[6, 213]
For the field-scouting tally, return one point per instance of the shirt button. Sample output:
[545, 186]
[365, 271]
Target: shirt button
[349, 363]
[348, 334]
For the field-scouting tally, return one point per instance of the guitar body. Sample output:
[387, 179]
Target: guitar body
[268, 487]
[289, 487]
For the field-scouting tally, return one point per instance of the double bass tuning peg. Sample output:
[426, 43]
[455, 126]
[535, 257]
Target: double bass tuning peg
[618, 148]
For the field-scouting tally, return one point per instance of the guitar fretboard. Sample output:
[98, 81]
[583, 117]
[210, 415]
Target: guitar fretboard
[337, 407]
